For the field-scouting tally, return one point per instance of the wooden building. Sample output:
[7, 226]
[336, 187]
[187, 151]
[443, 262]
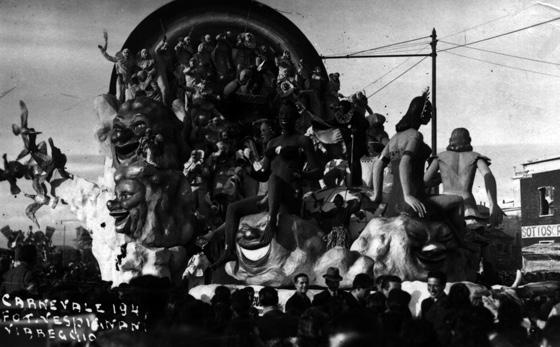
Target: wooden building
[540, 217]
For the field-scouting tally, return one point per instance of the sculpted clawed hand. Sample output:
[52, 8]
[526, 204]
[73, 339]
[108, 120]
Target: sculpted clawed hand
[416, 205]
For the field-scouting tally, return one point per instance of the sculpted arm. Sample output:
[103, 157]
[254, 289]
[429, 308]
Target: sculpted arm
[405, 174]
[108, 57]
[314, 171]
[431, 172]
[263, 174]
[378, 168]
[496, 214]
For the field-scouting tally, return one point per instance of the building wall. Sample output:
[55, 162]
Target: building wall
[530, 201]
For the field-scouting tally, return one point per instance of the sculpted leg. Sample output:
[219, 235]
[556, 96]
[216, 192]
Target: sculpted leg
[453, 208]
[281, 198]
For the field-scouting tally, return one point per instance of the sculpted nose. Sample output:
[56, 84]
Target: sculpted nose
[113, 205]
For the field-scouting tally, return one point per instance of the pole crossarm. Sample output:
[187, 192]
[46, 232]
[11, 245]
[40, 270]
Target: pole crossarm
[373, 56]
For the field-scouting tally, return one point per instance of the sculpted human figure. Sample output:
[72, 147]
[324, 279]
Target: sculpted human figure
[13, 170]
[221, 57]
[145, 61]
[282, 166]
[457, 167]
[124, 65]
[164, 69]
[407, 153]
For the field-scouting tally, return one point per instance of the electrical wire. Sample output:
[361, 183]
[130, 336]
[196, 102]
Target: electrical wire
[393, 48]
[504, 54]
[488, 22]
[500, 35]
[388, 72]
[503, 65]
[394, 79]
[389, 45]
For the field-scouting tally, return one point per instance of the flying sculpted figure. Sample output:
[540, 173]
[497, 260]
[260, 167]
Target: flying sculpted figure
[457, 166]
[13, 170]
[29, 137]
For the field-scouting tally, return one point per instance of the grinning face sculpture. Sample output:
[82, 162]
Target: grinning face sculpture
[410, 248]
[152, 206]
[130, 126]
[129, 206]
[298, 248]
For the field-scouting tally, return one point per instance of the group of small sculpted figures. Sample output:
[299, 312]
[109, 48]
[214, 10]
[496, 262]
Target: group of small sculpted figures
[225, 146]
[39, 166]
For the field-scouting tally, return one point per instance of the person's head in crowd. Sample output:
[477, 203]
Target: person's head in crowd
[436, 284]
[151, 293]
[187, 40]
[459, 296]
[26, 254]
[313, 328]
[301, 282]
[390, 282]
[361, 286]
[376, 302]
[352, 328]
[551, 333]
[250, 291]
[222, 295]
[332, 278]
[398, 301]
[268, 297]
[509, 312]
[471, 327]
[240, 303]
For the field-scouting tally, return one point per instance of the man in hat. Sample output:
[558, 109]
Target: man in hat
[332, 300]
[457, 167]
[361, 286]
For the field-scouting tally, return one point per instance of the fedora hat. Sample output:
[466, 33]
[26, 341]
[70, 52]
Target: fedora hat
[333, 274]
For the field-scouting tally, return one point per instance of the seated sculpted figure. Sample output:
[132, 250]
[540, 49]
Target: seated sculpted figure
[407, 153]
[457, 167]
[285, 157]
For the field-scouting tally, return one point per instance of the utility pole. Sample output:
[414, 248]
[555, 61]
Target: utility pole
[434, 93]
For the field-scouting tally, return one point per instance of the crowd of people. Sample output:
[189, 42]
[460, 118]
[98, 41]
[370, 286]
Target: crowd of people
[373, 312]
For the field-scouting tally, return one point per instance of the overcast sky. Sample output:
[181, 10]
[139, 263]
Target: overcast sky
[49, 54]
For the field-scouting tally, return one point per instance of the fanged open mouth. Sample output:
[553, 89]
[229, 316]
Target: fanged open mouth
[121, 218]
[126, 151]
